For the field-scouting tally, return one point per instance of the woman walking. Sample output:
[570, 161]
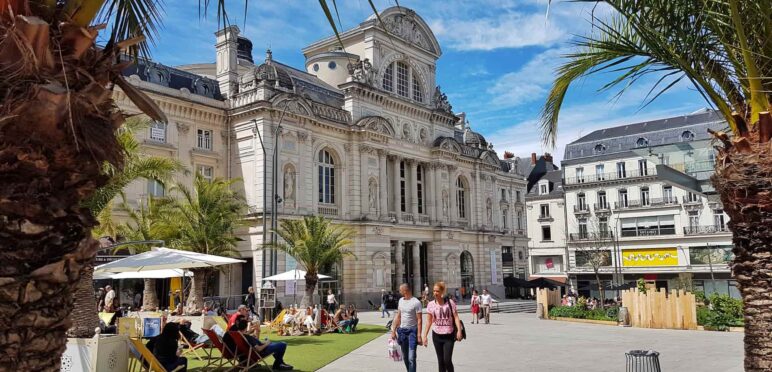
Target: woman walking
[475, 307]
[442, 314]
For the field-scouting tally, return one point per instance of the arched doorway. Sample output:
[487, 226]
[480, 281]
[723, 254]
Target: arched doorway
[467, 270]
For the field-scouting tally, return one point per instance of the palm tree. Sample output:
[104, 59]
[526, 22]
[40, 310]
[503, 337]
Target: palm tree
[203, 220]
[315, 243]
[723, 48]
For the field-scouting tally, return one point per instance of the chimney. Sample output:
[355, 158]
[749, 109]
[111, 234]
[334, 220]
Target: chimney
[548, 161]
[533, 158]
[508, 155]
[227, 62]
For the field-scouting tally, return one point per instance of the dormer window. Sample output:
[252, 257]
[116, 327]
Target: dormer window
[600, 148]
[407, 83]
[543, 190]
[687, 136]
[642, 142]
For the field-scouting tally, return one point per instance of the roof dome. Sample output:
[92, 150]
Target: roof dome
[473, 138]
[270, 72]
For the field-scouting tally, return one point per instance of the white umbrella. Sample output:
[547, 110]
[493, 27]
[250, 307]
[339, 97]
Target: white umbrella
[164, 258]
[292, 275]
[148, 274]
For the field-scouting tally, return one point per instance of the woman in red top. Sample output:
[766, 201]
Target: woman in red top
[442, 314]
[475, 307]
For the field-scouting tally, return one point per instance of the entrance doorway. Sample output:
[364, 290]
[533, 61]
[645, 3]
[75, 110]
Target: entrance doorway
[467, 270]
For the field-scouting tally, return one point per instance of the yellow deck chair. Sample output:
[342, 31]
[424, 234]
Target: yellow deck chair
[140, 354]
[277, 322]
[221, 322]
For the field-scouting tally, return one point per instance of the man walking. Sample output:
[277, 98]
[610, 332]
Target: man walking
[486, 300]
[406, 327]
[109, 299]
[383, 304]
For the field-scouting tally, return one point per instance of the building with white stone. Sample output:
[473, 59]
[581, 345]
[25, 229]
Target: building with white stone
[646, 187]
[362, 135]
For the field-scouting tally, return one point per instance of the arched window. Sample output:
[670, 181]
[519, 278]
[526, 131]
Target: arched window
[461, 197]
[467, 269]
[642, 142]
[326, 177]
[420, 187]
[401, 79]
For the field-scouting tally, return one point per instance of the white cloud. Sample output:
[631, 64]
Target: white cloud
[528, 84]
[507, 30]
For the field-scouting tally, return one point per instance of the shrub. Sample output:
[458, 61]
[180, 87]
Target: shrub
[722, 313]
[579, 313]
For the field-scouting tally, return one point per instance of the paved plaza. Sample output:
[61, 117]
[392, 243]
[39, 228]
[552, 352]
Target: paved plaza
[520, 342]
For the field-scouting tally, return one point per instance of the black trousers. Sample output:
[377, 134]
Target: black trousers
[443, 346]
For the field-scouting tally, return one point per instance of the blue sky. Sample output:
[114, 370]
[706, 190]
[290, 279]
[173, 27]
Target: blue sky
[497, 63]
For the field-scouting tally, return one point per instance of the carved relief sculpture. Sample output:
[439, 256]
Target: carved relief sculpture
[445, 201]
[362, 72]
[289, 183]
[489, 211]
[373, 189]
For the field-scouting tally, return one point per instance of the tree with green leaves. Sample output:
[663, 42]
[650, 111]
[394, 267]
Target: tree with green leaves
[723, 48]
[315, 243]
[204, 219]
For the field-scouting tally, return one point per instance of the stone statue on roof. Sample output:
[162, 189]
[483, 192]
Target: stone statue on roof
[362, 71]
[440, 101]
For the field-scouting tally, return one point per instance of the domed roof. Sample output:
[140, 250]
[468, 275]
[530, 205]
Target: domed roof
[473, 138]
[270, 72]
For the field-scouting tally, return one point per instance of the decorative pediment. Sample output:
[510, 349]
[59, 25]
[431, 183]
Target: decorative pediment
[293, 104]
[408, 26]
[376, 124]
[490, 158]
[448, 144]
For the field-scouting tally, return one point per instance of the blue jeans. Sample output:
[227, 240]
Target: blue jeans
[384, 311]
[408, 340]
[277, 349]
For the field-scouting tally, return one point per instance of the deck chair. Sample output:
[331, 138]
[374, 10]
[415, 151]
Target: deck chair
[243, 348]
[193, 347]
[144, 359]
[222, 322]
[278, 322]
[227, 356]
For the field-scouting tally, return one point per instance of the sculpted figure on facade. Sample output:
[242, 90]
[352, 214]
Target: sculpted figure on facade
[289, 183]
[362, 71]
[445, 201]
[373, 189]
[440, 101]
[406, 28]
[489, 211]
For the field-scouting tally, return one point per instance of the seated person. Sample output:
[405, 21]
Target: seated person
[166, 349]
[242, 310]
[341, 318]
[309, 322]
[194, 337]
[277, 349]
[353, 317]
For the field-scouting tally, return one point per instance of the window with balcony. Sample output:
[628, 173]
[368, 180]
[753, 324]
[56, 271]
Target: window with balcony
[642, 170]
[602, 201]
[158, 131]
[583, 232]
[581, 202]
[667, 193]
[545, 211]
[418, 94]
[461, 197]
[326, 177]
[694, 220]
[718, 219]
[621, 171]
[155, 189]
[600, 172]
[546, 234]
[623, 202]
[580, 175]
[388, 78]
[603, 226]
[648, 226]
[402, 79]
[206, 172]
[645, 200]
[205, 139]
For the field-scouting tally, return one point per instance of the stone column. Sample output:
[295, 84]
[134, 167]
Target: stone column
[400, 267]
[383, 186]
[413, 182]
[417, 268]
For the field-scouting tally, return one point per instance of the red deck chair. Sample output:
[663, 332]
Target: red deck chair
[244, 348]
[226, 355]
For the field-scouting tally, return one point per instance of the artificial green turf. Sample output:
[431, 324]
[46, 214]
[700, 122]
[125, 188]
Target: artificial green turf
[310, 353]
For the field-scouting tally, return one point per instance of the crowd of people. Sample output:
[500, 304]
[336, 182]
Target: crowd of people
[591, 303]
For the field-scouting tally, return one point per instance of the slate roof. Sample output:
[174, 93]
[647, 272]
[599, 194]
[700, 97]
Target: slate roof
[174, 78]
[555, 178]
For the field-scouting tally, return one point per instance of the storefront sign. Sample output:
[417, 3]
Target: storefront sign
[650, 257]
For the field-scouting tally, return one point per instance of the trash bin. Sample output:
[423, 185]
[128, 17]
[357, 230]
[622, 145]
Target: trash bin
[642, 361]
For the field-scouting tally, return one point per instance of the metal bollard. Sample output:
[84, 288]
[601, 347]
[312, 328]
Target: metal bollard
[642, 361]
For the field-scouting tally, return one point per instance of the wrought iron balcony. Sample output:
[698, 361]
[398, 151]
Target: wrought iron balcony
[655, 231]
[328, 210]
[696, 199]
[545, 218]
[582, 208]
[602, 207]
[651, 202]
[709, 229]
[588, 236]
[611, 176]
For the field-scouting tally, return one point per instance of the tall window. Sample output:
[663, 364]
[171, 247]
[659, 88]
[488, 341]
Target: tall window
[602, 202]
[623, 198]
[155, 188]
[206, 172]
[583, 228]
[388, 78]
[621, 172]
[545, 210]
[205, 139]
[504, 218]
[581, 202]
[603, 226]
[642, 170]
[420, 187]
[693, 198]
[667, 193]
[600, 172]
[503, 194]
[418, 95]
[461, 198]
[542, 189]
[402, 188]
[158, 131]
[694, 219]
[546, 233]
[402, 80]
[517, 195]
[644, 196]
[326, 177]
[519, 220]
[718, 219]
[579, 175]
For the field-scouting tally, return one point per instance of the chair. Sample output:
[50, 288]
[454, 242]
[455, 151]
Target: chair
[144, 359]
[222, 322]
[243, 348]
[278, 322]
[193, 348]
[227, 356]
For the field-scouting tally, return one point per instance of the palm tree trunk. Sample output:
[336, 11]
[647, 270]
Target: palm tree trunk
[744, 180]
[308, 296]
[149, 296]
[84, 318]
[195, 301]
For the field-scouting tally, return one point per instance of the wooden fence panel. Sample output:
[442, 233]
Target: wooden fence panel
[657, 309]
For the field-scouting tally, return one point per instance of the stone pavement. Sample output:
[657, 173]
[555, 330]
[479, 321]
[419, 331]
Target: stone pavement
[520, 342]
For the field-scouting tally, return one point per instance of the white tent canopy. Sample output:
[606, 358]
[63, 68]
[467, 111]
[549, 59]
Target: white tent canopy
[162, 259]
[148, 274]
[292, 275]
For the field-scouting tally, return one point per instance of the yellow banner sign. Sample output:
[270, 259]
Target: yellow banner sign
[650, 257]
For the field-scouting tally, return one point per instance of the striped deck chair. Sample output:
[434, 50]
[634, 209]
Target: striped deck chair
[227, 356]
[144, 360]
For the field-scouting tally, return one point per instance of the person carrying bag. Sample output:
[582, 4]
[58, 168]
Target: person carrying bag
[448, 328]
